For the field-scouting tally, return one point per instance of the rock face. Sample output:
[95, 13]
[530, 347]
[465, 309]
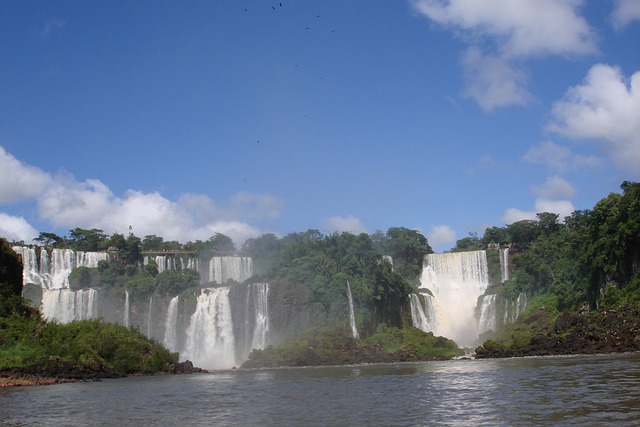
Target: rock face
[607, 331]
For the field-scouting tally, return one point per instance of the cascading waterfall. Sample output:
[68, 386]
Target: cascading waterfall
[424, 318]
[513, 310]
[222, 269]
[260, 293]
[53, 272]
[65, 305]
[150, 318]
[127, 308]
[352, 317]
[171, 323]
[418, 317]
[456, 280]
[504, 264]
[210, 340]
[487, 320]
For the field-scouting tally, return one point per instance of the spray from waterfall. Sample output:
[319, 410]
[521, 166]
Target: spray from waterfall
[352, 317]
[210, 340]
[456, 280]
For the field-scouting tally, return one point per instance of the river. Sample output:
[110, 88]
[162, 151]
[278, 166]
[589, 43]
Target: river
[570, 390]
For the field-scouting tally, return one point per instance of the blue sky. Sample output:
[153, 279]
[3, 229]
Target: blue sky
[183, 119]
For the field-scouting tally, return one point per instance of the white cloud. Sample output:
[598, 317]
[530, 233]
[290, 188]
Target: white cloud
[625, 12]
[340, 224]
[64, 201]
[559, 158]
[514, 215]
[440, 236]
[606, 109]
[513, 31]
[561, 207]
[551, 198]
[19, 182]
[520, 28]
[91, 204]
[492, 81]
[555, 188]
[16, 228]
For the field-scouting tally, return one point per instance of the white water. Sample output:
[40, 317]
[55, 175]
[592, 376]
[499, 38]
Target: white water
[424, 318]
[53, 272]
[352, 317]
[210, 341]
[260, 294]
[487, 320]
[127, 307]
[150, 318]
[504, 264]
[65, 305]
[513, 310]
[223, 269]
[171, 262]
[171, 323]
[456, 280]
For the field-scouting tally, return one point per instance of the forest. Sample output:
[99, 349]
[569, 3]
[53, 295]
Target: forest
[586, 262]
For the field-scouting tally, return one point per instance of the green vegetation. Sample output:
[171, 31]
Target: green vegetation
[592, 254]
[30, 344]
[336, 346]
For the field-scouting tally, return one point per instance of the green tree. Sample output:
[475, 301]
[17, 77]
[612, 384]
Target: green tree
[87, 240]
[49, 239]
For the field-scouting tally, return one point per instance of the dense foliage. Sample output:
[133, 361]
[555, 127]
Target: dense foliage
[331, 346]
[28, 342]
[593, 256]
[325, 263]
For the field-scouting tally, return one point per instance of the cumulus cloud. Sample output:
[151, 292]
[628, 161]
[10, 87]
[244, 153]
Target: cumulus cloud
[339, 224]
[555, 188]
[492, 81]
[552, 197]
[625, 12]
[605, 108]
[440, 236]
[16, 228]
[514, 32]
[64, 201]
[19, 182]
[559, 158]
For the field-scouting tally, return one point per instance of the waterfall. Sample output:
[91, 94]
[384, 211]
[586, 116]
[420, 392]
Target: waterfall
[210, 341]
[171, 323]
[513, 309]
[424, 318]
[487, 320]
[352, 317]
[125, 317]
[418, 317]
[223, 269]
[504, 264]
[53, 272]
[260, 293]
[150, 318]
[65, 305]
[456, 280]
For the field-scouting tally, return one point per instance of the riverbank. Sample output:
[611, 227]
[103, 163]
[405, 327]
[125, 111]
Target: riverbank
[612, 330]
[60, 372]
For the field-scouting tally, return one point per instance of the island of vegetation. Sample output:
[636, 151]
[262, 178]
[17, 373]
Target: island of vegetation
[580, 274]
